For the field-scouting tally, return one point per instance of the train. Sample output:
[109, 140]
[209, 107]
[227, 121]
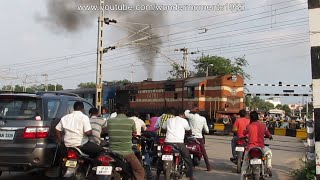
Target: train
[215, 96]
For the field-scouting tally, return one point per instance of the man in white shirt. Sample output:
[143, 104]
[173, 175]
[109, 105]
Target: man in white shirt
[176, 128]
[140, 125]
[77, 128]
[198, 124]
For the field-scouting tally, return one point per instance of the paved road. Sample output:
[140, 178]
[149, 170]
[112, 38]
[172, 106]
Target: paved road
[286, 154]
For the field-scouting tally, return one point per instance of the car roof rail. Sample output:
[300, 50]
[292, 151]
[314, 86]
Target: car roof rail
[57, 93]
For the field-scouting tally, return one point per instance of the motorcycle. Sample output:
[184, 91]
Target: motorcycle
[78, 165]
[257, 168]
[240, 148]
[143, 147]
[193, 145]
[173, 164]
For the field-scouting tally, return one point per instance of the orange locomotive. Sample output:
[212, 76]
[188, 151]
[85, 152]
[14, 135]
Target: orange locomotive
[214, 95]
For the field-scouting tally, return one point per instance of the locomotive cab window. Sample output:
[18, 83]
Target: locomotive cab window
[170, 87]
[202, 89]
[190, 92]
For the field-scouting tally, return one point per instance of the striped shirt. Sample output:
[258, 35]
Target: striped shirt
[161, 120]
[97, 123]
[120, 131]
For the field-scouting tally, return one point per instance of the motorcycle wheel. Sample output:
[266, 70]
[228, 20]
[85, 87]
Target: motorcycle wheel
[238, 165]
[196, 161]
[256, 176]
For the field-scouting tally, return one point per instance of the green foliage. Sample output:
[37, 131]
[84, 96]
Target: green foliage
[87, 85]
[176, 72]
[284, 107]
[220, 66]
[306, 172]
[33, 88]
[256, 103]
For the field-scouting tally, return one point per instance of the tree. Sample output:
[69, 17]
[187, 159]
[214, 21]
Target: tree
[87, 85]
[278, 106]
[220, 66]
[33, 88]
[176, 72]
[286, 109]
[256, 102]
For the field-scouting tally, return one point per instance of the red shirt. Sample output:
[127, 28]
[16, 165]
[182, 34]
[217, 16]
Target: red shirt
[241, 124]
[256, 132]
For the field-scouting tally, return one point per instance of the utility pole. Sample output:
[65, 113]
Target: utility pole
[185, 60]
[24, 82]
[100, 51]
[131, 73]
[45, 81]
[313, 126]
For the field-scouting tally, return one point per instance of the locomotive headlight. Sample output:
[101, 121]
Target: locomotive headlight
[234, 78]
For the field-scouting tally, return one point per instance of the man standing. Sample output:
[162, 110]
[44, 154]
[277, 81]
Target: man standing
[238, 129]
[176, 128]
[77, 128]
[98, 125]
[120, 130]
[198, 124]
[140, 125]
[256, 132]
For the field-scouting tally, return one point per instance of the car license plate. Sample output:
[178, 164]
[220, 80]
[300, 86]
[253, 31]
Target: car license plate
[255, 161]
[167, 157]
[71, 163]
[240, 149]
[104, 170]
[7, 135]
[191, 156]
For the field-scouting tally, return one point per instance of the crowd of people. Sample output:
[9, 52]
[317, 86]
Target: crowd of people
[78, 130]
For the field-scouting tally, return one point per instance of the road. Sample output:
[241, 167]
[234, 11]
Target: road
[287, 152]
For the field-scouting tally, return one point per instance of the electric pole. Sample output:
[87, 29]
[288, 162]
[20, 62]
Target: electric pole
[45, 81]
[100, 51]
[131, 73]
[185, 60]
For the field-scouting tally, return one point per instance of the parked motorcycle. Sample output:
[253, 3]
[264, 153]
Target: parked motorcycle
[78, 165]
[193, 145]
[173, 164]
[241, 145]
[257, 168]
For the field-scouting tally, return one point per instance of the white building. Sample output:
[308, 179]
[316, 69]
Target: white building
[274, 100]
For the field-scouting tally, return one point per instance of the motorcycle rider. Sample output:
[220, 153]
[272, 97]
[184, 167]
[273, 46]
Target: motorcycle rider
[140, 124]
[77, 129]
[176, 128]
[98, 125]
[161, 120]
[120, 130]
[256, 132]
[198, 124]
[238, 128]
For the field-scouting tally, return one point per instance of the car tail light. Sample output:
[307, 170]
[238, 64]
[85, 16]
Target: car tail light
[35, 132]
[241, 142]
[161, 140]
[72, 154]
[105, 160]
[167, 149]
[255, 153]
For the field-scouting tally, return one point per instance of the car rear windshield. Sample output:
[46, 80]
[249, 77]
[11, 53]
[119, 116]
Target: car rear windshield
[20, 108]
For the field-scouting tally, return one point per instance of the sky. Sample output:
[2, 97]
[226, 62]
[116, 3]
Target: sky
[51, 37]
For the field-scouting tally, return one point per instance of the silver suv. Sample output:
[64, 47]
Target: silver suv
[27, 129]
